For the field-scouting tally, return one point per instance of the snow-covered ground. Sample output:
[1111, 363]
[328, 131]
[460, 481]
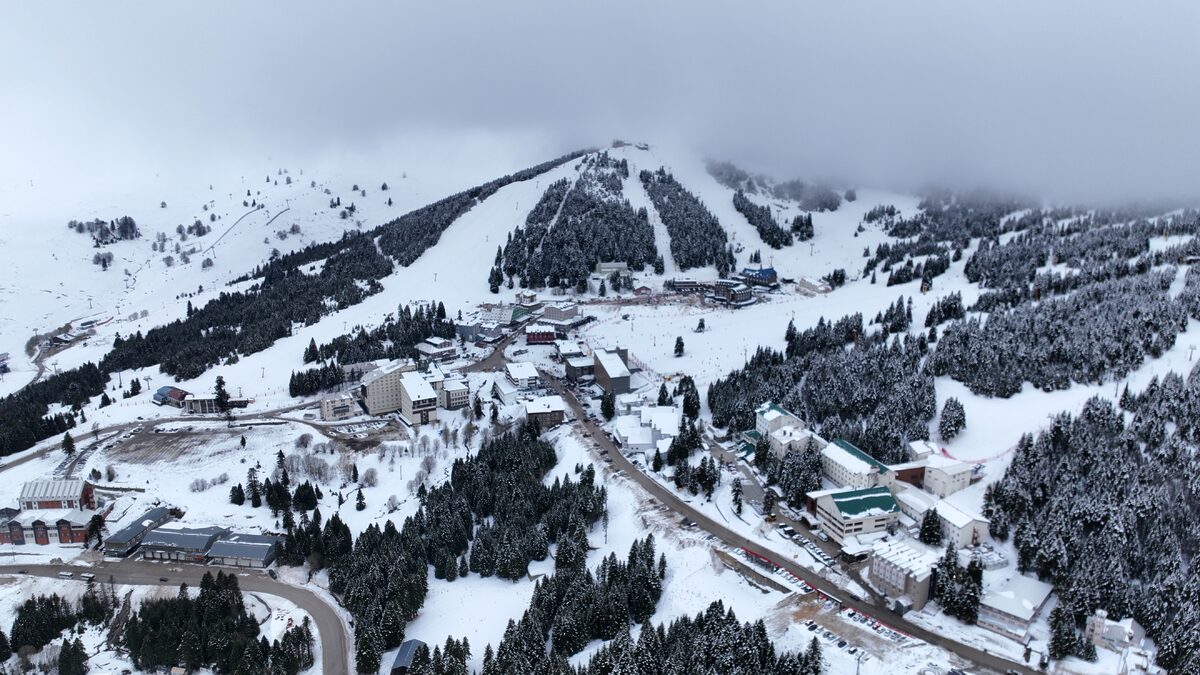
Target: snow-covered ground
[273, 614]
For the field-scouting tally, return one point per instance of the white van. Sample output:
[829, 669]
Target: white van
[67, 575]
[87, 576]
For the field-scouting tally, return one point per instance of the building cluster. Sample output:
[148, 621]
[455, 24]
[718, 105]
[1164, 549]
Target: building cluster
[178, 398]
[1125, 637]
[541, 322]
[864, 500]
[157, 536]
[641, 428]
[399, 387]
[50, 512]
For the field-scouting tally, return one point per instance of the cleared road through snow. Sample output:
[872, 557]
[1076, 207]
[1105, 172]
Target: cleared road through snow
[334, 652]
[672, 501]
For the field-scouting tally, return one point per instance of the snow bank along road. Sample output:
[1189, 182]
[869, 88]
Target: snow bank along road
[672, 501]
[334, 652]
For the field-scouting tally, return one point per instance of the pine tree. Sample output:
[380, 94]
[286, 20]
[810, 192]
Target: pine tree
[222, 397]
[679, 345]
[737, 496]
[477, 410]
[310, 353]
[237, 495]
[953, 419]
[360, 504]
[68, 444]
[657, 463]
[931, 529]
[768, 503]
[664, 397]
[5, 648]
[608, 405]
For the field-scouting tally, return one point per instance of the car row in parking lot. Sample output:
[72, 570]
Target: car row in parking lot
[871, 624]
[836, 640]
[789, 532]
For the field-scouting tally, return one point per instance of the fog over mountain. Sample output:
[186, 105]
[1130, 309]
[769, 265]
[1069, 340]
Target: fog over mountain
[1074, 100]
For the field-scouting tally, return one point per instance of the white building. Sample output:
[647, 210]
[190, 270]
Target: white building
[960, 527]
[900, 570]
[793, 439]
[381, 386]
[437, 349]
[769, 417]
[848, 466]
[1112, 635]
[455, 394]
[523, 375]
[418, 400]
[945, 476]
[918, 450]
[1012, 610]
[853, 512]
[644, 430]
[339, 407]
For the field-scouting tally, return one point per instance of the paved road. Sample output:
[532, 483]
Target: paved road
[676, 504]
[330, 631]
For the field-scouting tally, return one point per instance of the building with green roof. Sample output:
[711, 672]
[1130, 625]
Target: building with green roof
[847, 513]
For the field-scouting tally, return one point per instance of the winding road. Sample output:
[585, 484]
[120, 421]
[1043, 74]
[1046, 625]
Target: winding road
[676, 504]
[330, 630]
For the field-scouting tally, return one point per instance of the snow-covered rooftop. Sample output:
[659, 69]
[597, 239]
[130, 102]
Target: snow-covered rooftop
[1022, 597]
[52, 490]
[913, 561]
[844, 453]
[522, 370]
[545, 404]
[612, 363]
[956, 516]
[417, 386]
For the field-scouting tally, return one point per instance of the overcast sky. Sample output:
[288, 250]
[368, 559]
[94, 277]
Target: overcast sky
[1063, 99]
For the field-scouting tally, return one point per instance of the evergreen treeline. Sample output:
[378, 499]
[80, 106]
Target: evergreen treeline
[575, 226]
[495, 510]
[714, 641]
[212, 630]
[697, 238]
[802, 227]
[102, 232]
[796, 474]
[810, 196]
[575, 606]
[956, 589]
[1105, 506]
[24, 415]
[40, 620]
[410, 235]
[314, 380]
[1104, 330]
[876, 394]
[1084, 242]
[395, 338]
[946, 308]
[762, 220]
[240, 323]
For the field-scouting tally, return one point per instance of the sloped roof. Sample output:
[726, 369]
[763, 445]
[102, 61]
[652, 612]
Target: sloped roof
[854, 504]
[237, 545]
[853, 452]
[1022, 597]
[148, 520]
[50, 490]
[418, 387]
[612, 364]
[199, 538]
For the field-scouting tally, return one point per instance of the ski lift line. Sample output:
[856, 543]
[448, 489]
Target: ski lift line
[235, 224]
